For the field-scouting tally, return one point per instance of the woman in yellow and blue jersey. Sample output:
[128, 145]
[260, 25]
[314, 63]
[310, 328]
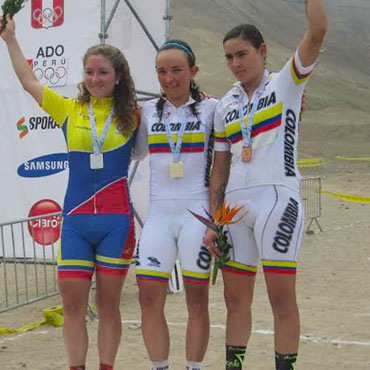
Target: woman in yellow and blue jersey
[98, 229]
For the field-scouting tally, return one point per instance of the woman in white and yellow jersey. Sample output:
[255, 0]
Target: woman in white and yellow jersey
[256, 134]
[177, 131]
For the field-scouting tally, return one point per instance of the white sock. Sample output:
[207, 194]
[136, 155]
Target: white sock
[193, 365]
[160, 365]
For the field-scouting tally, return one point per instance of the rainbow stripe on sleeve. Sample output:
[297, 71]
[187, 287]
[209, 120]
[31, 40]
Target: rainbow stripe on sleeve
[220, 137]
[299, 78]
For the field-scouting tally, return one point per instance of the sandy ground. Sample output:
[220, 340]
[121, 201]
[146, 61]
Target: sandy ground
[333, 290]
[334, 272]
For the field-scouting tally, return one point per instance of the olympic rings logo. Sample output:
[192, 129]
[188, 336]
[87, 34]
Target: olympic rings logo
[52, 75]
[47, 15]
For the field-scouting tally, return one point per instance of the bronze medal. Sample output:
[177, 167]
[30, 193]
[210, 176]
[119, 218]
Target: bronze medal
[246, 153]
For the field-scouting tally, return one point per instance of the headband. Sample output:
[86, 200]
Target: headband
[176, 44]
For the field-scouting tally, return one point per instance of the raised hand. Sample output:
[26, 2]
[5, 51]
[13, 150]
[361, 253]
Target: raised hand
[21, 67]
[8, 33]
[11, 7]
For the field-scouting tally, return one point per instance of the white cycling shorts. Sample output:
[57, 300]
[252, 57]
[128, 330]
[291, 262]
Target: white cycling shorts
[170, 231]
[271, 231]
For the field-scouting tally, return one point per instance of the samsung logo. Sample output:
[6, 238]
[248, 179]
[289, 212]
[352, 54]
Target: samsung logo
[44, 166]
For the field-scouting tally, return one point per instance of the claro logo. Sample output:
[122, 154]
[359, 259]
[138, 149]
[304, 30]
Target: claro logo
[45, 230]
[46, 165]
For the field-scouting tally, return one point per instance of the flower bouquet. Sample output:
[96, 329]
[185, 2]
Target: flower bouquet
[224, 216]
[10, 7]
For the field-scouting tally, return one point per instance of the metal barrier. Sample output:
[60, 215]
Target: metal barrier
[310, 190]
[27, 268]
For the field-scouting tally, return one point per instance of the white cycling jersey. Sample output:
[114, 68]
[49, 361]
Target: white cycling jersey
[196, 149]
[274, 130]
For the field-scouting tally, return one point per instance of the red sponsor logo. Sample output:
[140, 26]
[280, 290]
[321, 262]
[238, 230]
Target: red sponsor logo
[45, 231]
[47, 13]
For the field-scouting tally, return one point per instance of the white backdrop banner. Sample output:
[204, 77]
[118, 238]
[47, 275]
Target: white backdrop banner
[54, 34]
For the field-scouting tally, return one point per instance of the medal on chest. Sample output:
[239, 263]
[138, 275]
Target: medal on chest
[97, 158]
[247, 127]
[176, 170]
[96, 161]
[176, 165]
[246, 153]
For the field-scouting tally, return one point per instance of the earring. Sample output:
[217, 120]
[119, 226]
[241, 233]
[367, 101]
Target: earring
[117, 82]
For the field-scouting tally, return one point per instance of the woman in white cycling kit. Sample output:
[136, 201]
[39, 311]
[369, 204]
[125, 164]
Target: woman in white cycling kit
[256, 133]
[177, 131]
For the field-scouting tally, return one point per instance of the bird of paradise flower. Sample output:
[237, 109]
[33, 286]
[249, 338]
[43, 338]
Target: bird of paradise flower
[224, 216]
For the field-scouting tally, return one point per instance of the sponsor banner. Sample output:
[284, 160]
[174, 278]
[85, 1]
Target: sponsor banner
[33, 156]
[54, 35]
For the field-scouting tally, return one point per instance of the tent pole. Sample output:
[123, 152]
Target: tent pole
[112, 13]
[102, 34]
[145, 29]
[168, 18]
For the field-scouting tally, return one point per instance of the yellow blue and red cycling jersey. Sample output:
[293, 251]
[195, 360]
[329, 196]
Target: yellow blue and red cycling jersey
[98, 198]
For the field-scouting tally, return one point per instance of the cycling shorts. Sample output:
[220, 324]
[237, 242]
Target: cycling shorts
[171, 230]
[104, 242]
[271, 231]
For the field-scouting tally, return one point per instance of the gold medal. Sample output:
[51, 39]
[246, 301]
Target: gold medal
[246, 153]
[176, 170]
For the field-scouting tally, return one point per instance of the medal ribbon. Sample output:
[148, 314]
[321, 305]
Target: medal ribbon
[175, 148]
[246, 129]
[98, 142]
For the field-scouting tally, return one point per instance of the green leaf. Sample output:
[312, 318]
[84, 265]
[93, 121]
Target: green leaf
[11, 7]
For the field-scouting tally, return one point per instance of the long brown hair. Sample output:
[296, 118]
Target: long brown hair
[124, 104]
